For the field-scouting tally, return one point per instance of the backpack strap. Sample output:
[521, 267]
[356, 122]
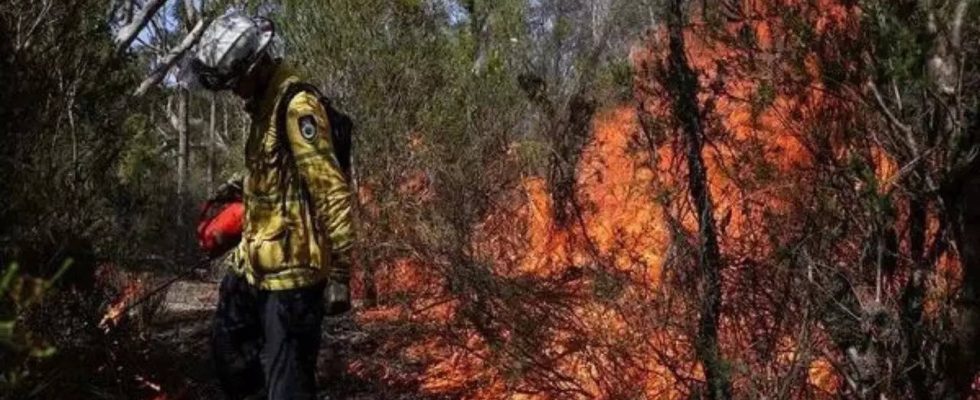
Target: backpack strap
[341, 135]
[341, 125]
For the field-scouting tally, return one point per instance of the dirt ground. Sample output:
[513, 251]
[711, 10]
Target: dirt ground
[356, 362]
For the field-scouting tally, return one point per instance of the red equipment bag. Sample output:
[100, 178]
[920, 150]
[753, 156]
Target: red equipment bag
[219, 228]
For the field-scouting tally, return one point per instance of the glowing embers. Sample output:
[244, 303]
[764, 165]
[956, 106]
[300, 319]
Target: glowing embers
[117, 308]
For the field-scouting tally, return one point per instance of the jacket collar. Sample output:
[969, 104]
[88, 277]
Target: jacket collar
[262, 106]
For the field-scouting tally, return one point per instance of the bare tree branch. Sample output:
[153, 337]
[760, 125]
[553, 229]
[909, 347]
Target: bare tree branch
[898, 124]
[190, 10]
[956, 25]
[128, 33]
[171, 58]
[25, 40]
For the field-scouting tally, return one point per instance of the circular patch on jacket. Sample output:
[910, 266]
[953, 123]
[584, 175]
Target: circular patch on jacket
[307, 128]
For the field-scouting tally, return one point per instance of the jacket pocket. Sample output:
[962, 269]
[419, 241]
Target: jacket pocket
[284, 249]
[268, 252]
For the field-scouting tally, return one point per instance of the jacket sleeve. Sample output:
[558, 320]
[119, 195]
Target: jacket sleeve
[308, 130]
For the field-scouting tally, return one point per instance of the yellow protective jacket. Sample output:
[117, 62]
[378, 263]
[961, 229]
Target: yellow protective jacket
[293, 237]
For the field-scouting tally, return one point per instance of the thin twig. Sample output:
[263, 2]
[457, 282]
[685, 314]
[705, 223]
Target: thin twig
[887, 111]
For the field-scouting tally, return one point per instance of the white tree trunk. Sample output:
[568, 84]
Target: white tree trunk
[211, 144]
[183, 153]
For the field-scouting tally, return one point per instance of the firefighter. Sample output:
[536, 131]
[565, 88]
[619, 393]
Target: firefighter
[292, 264]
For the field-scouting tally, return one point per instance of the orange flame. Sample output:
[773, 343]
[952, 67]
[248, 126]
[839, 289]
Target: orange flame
[613, 347]
[115, 311]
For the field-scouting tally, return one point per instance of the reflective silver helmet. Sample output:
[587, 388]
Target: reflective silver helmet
[229, 48]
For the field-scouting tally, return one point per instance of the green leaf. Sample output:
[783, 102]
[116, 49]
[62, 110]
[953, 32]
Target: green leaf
[7, 330]
[8, 278]
[43, 352]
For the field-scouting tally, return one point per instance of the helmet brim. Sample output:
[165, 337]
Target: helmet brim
[190, 74]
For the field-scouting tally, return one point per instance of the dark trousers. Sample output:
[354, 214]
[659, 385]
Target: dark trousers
[267, 340]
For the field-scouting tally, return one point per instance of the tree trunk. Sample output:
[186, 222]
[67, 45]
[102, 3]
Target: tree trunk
[370, 287]
[224, 121]
[961, 365]
[183, 155]
[213, 137]
[600, 12]
[914, 295]
[961, 188]
[682, 84]
[480, 31]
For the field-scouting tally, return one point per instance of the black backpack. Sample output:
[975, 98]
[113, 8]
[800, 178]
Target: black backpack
[341, 125]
